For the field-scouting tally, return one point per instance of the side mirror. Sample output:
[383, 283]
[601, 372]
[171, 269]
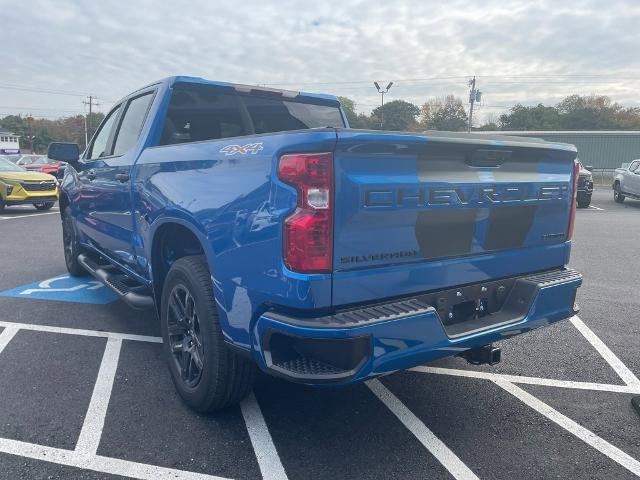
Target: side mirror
[64, 152]
[589, 167]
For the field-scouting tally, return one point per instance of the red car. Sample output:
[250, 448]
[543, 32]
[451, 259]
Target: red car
[40, 163]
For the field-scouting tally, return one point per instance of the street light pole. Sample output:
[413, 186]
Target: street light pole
[382, 92]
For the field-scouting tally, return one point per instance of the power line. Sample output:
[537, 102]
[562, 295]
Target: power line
[40, 90]
[614, 79]
[22, 114]
[16, 107]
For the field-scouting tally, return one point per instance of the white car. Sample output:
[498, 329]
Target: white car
[626, 181]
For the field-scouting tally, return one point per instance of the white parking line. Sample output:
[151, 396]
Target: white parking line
[620, 368]
[267, 456]
[85, 333]
[7, 334]
[548, 382]
[574, 428]
[268, 459]
[93, 425]
[593, 207]
[438, 449]
[28, 207]
[113, 466]
[28, 216]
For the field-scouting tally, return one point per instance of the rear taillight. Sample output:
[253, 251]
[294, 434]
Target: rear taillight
[572, 215]
[308, 232]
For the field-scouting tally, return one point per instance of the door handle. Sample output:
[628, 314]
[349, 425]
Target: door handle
[91, 175]
[122, 177]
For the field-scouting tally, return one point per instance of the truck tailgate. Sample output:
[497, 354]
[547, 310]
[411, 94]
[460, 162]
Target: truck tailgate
[422, 212]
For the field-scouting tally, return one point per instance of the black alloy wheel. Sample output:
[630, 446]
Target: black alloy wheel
[207, 374]
[71, 246]
[183, 327]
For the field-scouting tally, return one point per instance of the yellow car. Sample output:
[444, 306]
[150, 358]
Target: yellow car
[20, 187]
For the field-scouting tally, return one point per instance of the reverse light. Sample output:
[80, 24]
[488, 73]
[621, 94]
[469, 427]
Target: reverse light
[572, 215]
[308, 231]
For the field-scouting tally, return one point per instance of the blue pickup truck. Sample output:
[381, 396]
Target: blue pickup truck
[266, 233]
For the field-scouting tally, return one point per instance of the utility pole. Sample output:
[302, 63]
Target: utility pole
[86, 139]
[87, 124]
[382, 92]
[474, 96]
[30, 136]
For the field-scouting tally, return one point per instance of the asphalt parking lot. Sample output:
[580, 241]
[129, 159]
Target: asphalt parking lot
[84, 392]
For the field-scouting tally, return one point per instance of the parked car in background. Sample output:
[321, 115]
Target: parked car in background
[29, 159]
[40, 163]
[19, 187]
[585, 186]
[626, 181]
[10, 158]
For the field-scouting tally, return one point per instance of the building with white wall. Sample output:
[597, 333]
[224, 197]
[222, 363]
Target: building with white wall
[9, 144]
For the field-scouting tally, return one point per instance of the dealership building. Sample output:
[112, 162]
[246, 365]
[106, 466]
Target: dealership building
[9, 144]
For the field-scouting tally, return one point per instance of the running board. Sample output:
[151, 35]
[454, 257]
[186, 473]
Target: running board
[136, 296]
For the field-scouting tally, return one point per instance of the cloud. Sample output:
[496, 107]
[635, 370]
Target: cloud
[111, 48]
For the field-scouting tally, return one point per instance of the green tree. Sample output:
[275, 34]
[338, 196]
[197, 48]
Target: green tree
[45, 131]
[356, 120]
[521, 117]
[349, 107]
[596, 112]
[575, 112]
[444, 113]
[398, 115]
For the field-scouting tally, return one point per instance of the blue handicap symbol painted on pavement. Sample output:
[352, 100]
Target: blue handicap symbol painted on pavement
[65, 288]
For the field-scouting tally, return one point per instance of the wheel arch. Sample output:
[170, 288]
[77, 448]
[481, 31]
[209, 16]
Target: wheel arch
[172, 238]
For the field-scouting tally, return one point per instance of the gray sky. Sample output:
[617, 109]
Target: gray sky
[522, 51]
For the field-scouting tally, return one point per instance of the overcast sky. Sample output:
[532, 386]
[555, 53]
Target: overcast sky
[521, 51]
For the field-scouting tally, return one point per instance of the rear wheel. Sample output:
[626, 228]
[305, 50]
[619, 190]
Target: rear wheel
[71, 246]
[207, 374]
[618, 197]
[44, 205]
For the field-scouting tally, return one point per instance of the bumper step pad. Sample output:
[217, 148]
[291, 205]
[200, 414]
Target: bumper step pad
[336, 348]
[423, 303]
[305, 366]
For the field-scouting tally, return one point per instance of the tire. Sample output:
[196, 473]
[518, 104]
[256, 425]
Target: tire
[618, 197]
[1, 205]
[44, 206]
[207, 374]
[71, 246]
[584, 201]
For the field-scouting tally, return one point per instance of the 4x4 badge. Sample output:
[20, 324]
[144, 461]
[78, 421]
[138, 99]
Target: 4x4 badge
[252, 148]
